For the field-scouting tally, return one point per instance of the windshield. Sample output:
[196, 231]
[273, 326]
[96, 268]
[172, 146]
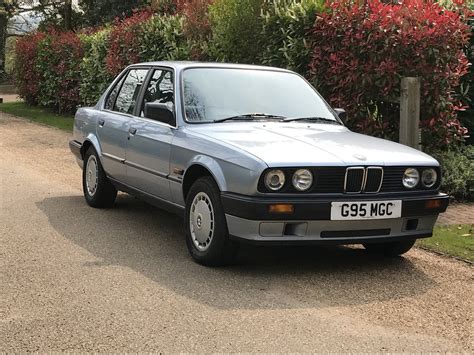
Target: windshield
[213, 94]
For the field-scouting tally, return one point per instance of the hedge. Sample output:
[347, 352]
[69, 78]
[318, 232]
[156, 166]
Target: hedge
[354, 52]
[58, 65]
[95, 76]
[361, 51]
[236, 27]
[284, 28]
[26, 74]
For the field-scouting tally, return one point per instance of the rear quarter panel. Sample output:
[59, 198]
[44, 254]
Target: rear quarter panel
[85, 126]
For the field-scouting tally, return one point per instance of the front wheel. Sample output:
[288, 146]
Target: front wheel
[390, 249]
[207, 236]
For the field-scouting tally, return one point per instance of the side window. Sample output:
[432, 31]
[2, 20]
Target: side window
[128, 94]
[159, 90]
[109, 104]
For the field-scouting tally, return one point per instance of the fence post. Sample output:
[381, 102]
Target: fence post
[410, 112]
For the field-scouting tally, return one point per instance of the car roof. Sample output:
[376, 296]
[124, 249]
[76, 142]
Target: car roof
[182, 65]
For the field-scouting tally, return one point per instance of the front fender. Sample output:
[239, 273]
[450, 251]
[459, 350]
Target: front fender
[214, 168]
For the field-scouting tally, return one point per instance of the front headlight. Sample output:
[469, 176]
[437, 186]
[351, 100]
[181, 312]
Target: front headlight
[302, 179]
[274, 180]
[429, 178]
[411, 177]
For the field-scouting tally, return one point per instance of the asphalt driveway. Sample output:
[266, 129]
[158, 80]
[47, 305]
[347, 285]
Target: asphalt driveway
[78, 279]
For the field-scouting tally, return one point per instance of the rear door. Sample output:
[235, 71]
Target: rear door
[149, 147]
[114, 123]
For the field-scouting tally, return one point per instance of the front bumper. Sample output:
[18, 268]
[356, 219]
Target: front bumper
[249, 218]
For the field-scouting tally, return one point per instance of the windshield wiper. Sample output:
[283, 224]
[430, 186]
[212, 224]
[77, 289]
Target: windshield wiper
[249, 117]
[316, 119]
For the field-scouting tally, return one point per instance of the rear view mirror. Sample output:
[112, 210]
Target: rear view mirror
[159, 112]
[341, 113]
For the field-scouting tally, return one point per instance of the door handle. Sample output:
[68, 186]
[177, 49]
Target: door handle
[132, 131]
[101, 123]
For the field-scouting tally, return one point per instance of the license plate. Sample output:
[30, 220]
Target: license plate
[344, 211]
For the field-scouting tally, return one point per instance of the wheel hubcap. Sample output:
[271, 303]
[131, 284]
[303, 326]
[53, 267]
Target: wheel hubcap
[92, 175]
[201, 221]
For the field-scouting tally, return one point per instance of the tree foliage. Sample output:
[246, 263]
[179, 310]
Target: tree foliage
[101, 12]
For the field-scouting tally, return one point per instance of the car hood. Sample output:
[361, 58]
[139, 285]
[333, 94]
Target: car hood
[301, 144]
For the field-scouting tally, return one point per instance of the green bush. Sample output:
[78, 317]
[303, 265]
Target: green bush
[285, 25]
[94, 75]
[162, 38]
[10, 57]
[236, 28]
[458, 171]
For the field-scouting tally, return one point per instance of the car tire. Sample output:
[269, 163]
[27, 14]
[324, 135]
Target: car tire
[98, 190]
[390, 249]
[207, 235]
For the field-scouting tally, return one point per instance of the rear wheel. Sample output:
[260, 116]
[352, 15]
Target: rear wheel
[98, 190]
[207, 236]
[390, 249]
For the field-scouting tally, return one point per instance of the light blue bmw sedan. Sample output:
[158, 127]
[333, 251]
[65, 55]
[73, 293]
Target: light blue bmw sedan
[251, 154]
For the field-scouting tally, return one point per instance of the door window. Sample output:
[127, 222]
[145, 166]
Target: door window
[160, 90]
[128, 95]
[110, 102]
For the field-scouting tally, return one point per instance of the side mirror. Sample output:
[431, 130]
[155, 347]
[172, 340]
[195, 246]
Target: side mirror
[159, 112]
[341, 113]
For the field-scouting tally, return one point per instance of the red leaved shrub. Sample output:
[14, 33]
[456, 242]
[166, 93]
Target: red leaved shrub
[197, 26]
[123, 41]
[360, 51]
[197, 16]
[26, 74]
[59, 58]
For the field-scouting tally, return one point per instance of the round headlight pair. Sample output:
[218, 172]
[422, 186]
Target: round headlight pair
[302, 180]
[411, 178]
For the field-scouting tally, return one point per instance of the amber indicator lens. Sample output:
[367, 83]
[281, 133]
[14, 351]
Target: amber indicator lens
[433, 204]
[281, 208]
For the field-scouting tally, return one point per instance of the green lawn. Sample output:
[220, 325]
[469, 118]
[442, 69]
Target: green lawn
[38, 114]
[456, 240]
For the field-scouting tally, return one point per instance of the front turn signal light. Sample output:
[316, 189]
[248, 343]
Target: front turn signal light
[281, 208]
[433, 204]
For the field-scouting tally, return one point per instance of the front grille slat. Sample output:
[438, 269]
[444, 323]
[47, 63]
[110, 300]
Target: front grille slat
[373, 180]
[354, 180]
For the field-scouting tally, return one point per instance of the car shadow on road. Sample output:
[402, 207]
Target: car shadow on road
[151, 242]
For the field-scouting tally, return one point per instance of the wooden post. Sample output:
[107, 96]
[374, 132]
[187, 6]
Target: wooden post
[410, 112]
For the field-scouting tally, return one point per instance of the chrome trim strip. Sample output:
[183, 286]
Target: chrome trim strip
[113, 157]
[175, 179]
[141, 167]
[363, 179]
[381, 179]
